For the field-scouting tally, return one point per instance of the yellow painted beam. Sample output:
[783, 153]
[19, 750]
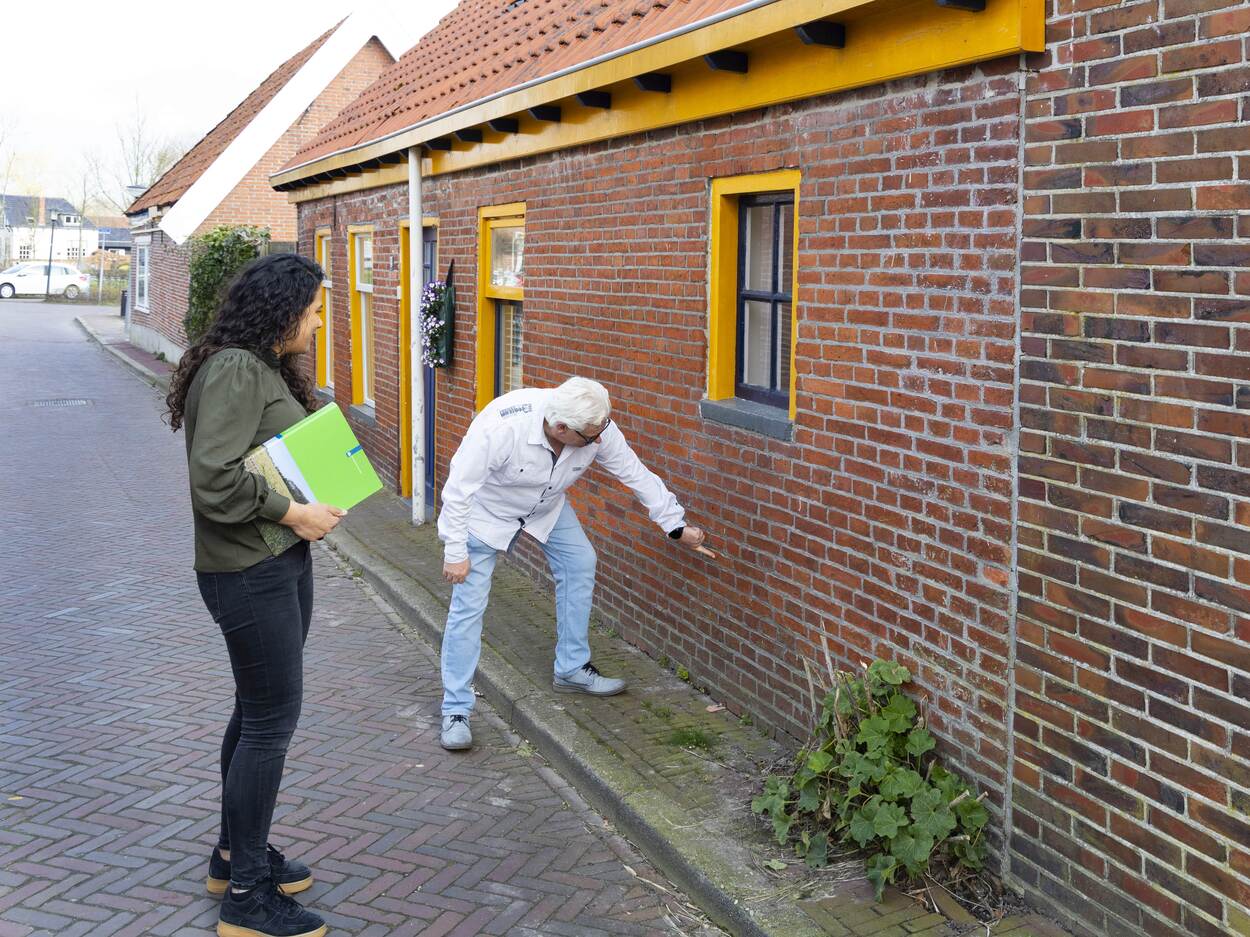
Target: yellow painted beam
[886, 39]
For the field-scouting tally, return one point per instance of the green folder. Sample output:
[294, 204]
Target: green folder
[321, 457]
[318, 459]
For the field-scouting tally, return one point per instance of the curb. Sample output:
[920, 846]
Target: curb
[610, 786]
[156, 380]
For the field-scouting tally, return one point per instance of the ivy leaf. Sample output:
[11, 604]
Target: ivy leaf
[881, 870]
[773, 800]
[809, 798]
[920, 741]
[888, 672]
[972, 814]
[874, 733]
[932, 814]
[776, 865]
[969, 854]
[818, 851]
[862, 829]
[899, 711]
[889, 819]
[781, 826]
[819, 761]
[911, 850]
[902, 782]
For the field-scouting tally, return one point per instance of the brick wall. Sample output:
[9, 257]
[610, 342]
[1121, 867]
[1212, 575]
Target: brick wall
[169, 280]
[1131, 810]
[885, 525]
[253, 200]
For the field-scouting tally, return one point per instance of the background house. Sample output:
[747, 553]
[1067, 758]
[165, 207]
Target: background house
[31, 225]
[223, 178]
[936, 316]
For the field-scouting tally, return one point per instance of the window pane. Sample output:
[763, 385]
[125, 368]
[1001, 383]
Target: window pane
[783, 347]
[758, 244]
[365, 273]
[507, 255]
[785, 256]
[510, 328]
[757, 343]
[370, 349]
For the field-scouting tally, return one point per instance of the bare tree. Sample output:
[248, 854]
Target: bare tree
[143, 157]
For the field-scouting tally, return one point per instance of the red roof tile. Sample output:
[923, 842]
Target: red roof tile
[486, 46]
[182, 175]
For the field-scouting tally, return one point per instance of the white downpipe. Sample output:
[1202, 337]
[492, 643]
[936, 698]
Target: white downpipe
[416, 366]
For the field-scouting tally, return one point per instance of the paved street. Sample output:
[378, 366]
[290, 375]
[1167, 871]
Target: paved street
[114, 688]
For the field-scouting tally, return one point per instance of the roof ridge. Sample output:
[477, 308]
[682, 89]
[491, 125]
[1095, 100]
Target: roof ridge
[173, 193]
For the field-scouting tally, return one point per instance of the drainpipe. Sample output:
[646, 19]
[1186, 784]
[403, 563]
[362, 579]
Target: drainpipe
[416, 367]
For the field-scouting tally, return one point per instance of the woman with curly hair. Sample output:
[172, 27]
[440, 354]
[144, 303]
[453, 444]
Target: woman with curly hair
[236, 387]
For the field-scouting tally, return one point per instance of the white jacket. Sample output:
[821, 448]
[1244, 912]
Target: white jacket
[505, 477]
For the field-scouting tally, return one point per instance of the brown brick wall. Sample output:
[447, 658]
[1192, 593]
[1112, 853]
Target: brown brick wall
[1131, 810]
[253, 200]
[169, 281]
[886, 524]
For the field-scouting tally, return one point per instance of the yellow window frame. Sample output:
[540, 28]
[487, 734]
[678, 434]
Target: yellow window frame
[511, 215]
[405, 350]
[354, 232]
[723, 281]
[325, 331]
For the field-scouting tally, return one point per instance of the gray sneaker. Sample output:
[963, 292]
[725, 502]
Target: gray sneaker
[588, 680]
[456, 735]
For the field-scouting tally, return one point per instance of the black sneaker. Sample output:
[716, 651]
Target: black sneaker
[265, 912]
[291, 876]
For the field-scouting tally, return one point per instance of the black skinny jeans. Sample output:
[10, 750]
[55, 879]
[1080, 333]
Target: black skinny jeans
[263, 612]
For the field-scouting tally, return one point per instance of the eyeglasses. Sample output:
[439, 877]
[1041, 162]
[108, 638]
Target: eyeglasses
[595, 438]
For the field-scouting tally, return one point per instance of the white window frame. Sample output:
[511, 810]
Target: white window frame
[143, 274]
[365, 305]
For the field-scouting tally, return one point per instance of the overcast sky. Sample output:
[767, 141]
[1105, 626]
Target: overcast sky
[74, 70]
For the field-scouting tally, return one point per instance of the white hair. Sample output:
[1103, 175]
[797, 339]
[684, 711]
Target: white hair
[580, 404]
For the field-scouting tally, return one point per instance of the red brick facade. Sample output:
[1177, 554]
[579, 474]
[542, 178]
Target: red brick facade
[885, 524]
[1132, 723]
[1047, 524]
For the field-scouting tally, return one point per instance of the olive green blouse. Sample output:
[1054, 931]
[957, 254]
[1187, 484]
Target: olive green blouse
[237, 401]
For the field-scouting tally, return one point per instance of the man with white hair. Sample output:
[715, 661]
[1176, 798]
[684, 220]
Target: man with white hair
[509, 476]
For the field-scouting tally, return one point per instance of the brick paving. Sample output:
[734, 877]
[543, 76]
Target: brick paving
[114, 689]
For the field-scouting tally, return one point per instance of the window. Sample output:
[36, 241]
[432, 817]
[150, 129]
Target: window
[765, 259]
[501, 289]
[364, 345]
[751, 315]
[74, 252]
[141, 276]
[25, 252]
[325, 332]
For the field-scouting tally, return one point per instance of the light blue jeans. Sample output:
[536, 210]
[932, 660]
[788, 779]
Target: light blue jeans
[572, 562]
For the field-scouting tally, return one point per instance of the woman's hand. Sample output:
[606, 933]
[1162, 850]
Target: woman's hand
[312, 521]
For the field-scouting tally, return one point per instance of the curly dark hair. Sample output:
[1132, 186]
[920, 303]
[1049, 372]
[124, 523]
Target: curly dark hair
[263, 306]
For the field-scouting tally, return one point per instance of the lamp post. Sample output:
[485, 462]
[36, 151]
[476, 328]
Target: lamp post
[47, 288]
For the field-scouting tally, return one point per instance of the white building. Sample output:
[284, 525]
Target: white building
[35, 228]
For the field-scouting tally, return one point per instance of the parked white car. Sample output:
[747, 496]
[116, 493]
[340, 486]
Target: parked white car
[32, 280]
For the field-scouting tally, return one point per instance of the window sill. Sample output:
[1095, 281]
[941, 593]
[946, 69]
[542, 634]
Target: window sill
[324, 394]
[365, 413]
[749, 415]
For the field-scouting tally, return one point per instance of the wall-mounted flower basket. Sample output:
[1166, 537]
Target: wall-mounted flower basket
[437, 318]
